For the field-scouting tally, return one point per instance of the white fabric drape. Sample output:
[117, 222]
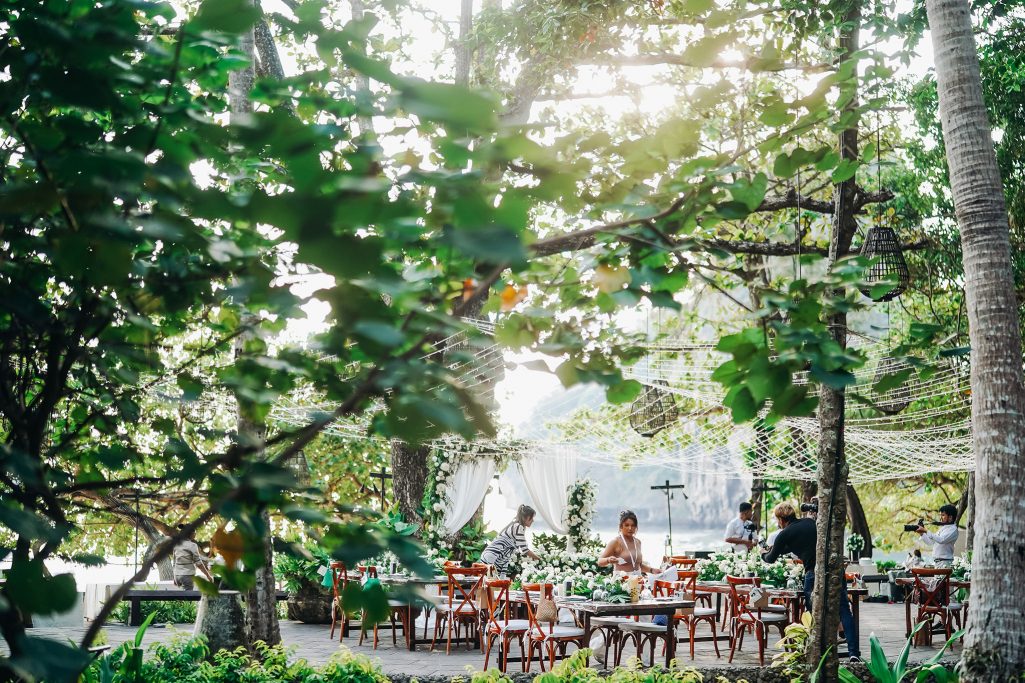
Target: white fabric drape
[466, 489]
[547, 479]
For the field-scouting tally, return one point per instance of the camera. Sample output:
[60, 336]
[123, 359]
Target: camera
[809, 507]
[750, 526]
[913, 527]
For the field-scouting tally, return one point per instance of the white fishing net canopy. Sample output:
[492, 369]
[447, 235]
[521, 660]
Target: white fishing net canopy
[920, 426]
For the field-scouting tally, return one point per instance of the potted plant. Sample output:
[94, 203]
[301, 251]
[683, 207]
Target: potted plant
[308, 600]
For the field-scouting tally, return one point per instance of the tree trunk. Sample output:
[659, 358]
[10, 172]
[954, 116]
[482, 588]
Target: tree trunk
[832, 460]
[261, 599]
[859, 521]
[995, 644]
[409, 478]
[969, 513]
[463, 52]
[757, 495]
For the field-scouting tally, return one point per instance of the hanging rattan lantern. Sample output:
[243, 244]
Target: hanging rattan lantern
[654, 410]
[298, 463]
[881, 245]
[898, 398]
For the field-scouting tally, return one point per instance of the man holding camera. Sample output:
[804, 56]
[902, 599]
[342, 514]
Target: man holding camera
[799, 536]
[741, 532]
[943, 538]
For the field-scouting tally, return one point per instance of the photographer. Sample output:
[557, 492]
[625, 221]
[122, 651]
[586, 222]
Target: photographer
[799, 536]
[741, 532]
[942, 539]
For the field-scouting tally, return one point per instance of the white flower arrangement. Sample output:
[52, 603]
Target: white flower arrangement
[961, 567]
[722, 564]
[443, 463]
[855, 542]
[581, 497]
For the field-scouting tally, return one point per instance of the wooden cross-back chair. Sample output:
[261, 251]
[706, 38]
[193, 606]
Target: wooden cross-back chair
[460, 607]
[339, 580]
[931, 596]
[750, 616]
[397, 611]
[687, 584]
[498, 624]
[549, 635]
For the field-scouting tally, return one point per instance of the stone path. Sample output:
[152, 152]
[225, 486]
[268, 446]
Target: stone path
[312, 643]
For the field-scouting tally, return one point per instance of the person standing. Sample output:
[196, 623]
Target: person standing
[798, 536]
[942, 540]
[511, 540]
[741, 533]
[187, 559]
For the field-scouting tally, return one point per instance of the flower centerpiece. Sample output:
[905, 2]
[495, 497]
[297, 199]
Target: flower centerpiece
[961, 567]
[563, 565]
[722, 564]
[855, 542]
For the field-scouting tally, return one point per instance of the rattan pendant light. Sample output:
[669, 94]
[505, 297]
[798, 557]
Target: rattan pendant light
[888, 264]
[883, 247]
[654, 410]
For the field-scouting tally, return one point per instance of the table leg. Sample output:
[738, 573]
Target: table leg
[670, 638]
[411, 629]
[587, 639]
[135, 617]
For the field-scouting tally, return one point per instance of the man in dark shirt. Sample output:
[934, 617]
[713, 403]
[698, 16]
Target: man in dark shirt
[798, 536]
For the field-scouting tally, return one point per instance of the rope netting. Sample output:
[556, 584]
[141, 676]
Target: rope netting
[923, 425]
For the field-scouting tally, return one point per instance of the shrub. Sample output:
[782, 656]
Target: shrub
[167, 612]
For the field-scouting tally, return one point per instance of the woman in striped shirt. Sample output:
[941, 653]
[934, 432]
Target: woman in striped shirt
[510, 541]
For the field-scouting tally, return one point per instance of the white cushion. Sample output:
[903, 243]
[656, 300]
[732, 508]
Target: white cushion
[398, 603]
[561, 632]
[609, 621]
[642, 626]
[774, 608]
[460, 609]
[704, 611]
[772, 617]
[513, 625]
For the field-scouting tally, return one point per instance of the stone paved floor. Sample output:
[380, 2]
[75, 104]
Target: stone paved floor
[312, 643]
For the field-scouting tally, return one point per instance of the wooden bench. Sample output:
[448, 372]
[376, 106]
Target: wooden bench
[137, 596]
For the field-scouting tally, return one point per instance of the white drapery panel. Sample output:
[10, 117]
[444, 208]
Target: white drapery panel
[466, 490]
[547, 477]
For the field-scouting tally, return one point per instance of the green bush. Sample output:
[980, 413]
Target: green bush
[167, 611]
[188, 660]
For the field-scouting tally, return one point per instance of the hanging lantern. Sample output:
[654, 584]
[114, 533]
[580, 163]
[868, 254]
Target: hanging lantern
[898, 398]
[881, 245]
[654, 410]
[298, 463]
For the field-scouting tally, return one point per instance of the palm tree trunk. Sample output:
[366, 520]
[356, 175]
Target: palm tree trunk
[995, 644]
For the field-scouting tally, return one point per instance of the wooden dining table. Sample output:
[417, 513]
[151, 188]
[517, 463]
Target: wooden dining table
[416, 602]
[588, 609]
[793, 599]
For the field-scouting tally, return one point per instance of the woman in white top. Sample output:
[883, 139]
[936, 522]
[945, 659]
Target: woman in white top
[624, 551]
